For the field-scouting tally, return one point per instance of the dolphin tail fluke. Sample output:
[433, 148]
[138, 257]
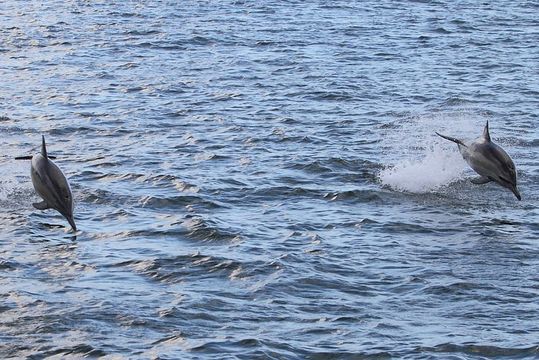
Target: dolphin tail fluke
[451, 139]
[43, 147]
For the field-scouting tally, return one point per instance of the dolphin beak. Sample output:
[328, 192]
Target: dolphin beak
[71, 222]
[516, 192]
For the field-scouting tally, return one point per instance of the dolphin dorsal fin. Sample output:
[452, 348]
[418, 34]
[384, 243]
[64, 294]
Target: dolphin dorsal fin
[43, 147]
[486, 134]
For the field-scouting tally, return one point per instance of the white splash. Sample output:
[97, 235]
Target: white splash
[424, 162]
[425, 174]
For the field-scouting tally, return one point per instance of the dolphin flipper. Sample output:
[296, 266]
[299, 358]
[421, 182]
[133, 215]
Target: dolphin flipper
[480, 180]
[41, 205]
[29, 157]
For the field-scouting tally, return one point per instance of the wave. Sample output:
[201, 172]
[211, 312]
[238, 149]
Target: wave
[170, 202]
[198, 266]
[357, 195]
[79, 350]
[286, 192]
[270, 348]
[208, 231]
[175, 269]
[7, 265]
[337, 167]
[489, 351]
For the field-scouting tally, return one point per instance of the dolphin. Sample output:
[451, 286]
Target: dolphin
[51, 185]
[489, 160]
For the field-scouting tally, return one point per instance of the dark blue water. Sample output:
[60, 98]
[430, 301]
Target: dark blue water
[262, 180]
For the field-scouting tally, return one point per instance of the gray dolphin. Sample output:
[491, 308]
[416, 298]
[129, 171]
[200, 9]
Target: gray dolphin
[51, 185]
[488, 160]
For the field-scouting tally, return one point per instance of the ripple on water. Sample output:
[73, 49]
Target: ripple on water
[176, 269]
[488, 351]
[79, 350]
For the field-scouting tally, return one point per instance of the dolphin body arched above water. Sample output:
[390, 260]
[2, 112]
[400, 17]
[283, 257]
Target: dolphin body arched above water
[489, 160]
[51, 185]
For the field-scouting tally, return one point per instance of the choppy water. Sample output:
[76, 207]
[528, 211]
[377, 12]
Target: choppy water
[262, 179]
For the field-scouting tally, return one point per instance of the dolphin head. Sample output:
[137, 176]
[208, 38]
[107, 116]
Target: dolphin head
[511, 186]
[57, 194]
[62, 201]
[507, 175]
[65, 207]
[500, 167]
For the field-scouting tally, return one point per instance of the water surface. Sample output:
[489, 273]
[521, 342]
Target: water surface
[263, 180]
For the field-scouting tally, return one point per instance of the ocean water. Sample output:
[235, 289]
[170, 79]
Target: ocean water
[261, 180]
